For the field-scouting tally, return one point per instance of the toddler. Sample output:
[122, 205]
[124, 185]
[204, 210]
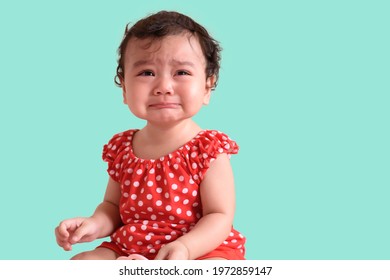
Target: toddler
[170, 193]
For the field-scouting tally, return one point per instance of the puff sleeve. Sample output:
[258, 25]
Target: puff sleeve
[208, 146]
[114, 153]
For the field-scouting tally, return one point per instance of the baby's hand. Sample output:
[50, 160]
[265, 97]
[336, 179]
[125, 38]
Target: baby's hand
[76, 230]
[175, 250]
[133, 257]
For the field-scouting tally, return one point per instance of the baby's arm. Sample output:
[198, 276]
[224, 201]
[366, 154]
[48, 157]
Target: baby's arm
[102, 223]
[218, 202]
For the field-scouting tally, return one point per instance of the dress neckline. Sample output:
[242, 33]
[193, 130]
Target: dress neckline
[166, 156]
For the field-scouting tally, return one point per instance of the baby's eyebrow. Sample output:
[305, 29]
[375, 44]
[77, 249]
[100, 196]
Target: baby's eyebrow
[182, 62]
[172, 62]
[140, 63]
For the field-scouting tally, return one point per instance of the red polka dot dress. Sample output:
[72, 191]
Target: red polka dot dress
[160, 198]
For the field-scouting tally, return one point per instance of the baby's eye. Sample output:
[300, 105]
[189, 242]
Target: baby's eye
[146, 73]
[182, 73]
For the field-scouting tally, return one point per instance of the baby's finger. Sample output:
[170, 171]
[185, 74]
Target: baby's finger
[67, 226]
[161, 255]
[80, 234]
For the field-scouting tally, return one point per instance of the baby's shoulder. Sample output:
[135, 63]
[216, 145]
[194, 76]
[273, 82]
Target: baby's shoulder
[215, 141]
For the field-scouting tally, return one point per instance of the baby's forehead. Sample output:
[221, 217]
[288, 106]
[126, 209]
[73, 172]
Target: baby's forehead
[150, 47]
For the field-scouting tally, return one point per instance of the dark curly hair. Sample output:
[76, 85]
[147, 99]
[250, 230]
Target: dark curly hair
[166, 23]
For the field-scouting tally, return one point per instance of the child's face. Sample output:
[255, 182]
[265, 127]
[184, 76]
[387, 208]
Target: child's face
[165, 81]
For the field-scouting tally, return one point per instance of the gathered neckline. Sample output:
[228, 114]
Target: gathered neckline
[164, 157]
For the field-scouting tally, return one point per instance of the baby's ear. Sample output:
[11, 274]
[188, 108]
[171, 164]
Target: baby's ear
[210, 83]
[123, 90]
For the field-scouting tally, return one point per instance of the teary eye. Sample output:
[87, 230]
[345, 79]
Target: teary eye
[182, 73]
[146, 73]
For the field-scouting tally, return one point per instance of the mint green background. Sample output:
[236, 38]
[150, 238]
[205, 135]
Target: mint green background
[304, 89]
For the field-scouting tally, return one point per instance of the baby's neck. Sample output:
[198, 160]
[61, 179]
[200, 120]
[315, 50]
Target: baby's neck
[152, 142]
[159, 134]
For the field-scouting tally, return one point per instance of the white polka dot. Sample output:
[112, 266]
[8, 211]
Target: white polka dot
[194, 193]
[139, 243]
[139, 171]
[181, 178]
[133, 196]
[151, 171]
[148, 237]
[189, 213]
[153, 217]
[195, 204]
[174, 187]
[140, 203]
[231, 234]
[168, 208]
[193, 154]
[130, 170]
[166, 195]
[159, 190]
[125, 194]
[205, 155]
[155, 226]
[127, 183]
[178, 211]
[143, 227]
[158, 177]
[176, 166]
[158, 202]
[185, 190]
[194, 165]
[149, 196]
[150, 209]
[131, 238]
[186, 201]
[172, 218]
[191, 181]
[152, 251]
[171, 175]
[234, 241]
[176, 199]
[168, 237]
[150, 183]
[136, 184]
[133, 229]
